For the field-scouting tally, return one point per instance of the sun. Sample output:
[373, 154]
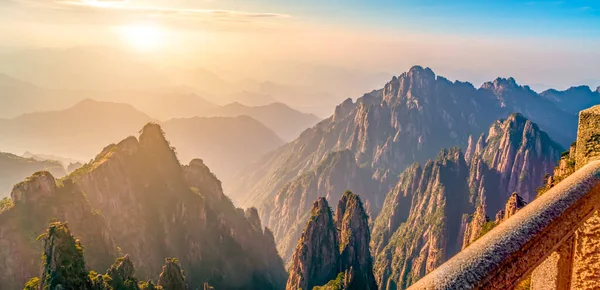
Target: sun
[146, 38]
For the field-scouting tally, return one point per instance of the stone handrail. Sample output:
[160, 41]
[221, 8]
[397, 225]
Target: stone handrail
[512, 250]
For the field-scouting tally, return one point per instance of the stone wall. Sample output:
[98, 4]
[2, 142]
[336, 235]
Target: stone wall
[588, 137]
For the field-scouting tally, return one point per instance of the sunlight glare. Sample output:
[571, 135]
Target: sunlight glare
[143, 37]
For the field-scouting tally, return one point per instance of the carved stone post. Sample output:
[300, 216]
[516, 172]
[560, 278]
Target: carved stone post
[588, 137]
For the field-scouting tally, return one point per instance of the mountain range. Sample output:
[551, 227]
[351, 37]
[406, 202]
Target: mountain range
[139, 200]
[425, 218]
[494, 145]
[80, 131]
[13, 169]
[367, 144]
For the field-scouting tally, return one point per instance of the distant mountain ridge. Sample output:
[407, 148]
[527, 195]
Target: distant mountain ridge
[288, 123]
[573, 99]
[135, 197]
[227, 143]
[13, 169]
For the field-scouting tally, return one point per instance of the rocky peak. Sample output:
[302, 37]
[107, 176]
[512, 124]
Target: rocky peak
[514, 204]
[198, 175]
[252, 216]
[171, 277]
[122, 273]
[418, 71]
[500, 85]
[155, 148]
[355, 237]
[316, 259]
[598, 90]
[516, 147]
[343, 109]
[40, 184]
[60, 249]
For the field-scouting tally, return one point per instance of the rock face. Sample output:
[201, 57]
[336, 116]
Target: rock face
[521, 154]
[410, 119]
[334, 246]
[122, 274]
[436, 210]
[172, 277]
[480, 224]
[64, 266]
[139, 198]
[288, 211]
[352, 223]
[430, 233]
[514, 204]
[317, 255]
[38, 200]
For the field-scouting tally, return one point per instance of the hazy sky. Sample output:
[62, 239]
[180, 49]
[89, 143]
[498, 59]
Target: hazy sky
[539, 42]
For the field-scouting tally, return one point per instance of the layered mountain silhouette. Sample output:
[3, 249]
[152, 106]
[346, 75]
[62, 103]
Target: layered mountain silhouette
[139, 200]
[283, 120]
[13, 169]
[84, 129]
[226, 143]
[425, 218]
[573, 99]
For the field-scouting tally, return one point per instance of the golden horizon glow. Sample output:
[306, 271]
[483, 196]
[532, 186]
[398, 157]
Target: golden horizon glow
[144, 38]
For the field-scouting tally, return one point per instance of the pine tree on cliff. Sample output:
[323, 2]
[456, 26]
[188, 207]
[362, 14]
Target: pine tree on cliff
[64, 265]
[172, 277]
[122, 274]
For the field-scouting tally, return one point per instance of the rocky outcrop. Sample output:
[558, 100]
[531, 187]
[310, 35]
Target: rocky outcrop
[514, 204]
[287, 213]
[122, 275]
[38, 200]
[409, 120]
[171, 277]
[431, 232]
[352, 223]
[64, 265]
[480, 224]
[317, 255]
[14, 169]
[334, 246]
[521, 154]
[139, 198]
[438, 209]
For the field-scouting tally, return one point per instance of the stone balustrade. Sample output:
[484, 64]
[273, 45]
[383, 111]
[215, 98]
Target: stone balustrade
[555, 240]
[512, 251]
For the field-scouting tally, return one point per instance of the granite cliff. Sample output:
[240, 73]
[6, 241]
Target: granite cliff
[139, 200]
[409, 120]
[334, 246]
[435, 208]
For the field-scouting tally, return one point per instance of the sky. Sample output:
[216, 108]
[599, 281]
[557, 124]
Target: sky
[541, 43]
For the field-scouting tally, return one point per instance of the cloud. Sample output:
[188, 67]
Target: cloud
[125, 7]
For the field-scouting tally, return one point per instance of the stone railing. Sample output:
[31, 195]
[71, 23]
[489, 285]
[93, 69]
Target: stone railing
[555, 240]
